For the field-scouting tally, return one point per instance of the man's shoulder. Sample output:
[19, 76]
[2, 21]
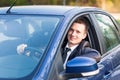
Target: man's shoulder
[88, 50]
[85, 44]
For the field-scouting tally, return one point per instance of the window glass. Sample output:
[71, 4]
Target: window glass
[23, 41]
[108, 30]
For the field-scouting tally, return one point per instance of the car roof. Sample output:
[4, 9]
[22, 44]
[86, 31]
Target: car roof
[46, 9]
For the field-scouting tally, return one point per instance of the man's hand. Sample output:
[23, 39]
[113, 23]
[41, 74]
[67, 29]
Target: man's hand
[21, 48]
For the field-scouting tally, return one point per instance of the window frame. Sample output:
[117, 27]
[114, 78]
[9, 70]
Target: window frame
[101, 37]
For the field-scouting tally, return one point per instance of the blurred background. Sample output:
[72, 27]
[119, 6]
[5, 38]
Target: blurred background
[111, 6]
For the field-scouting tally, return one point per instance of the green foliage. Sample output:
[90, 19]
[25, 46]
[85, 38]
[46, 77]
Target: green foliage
[4, 3]
[118, 21]
[98, 3]
[20, 2]
[10, 2]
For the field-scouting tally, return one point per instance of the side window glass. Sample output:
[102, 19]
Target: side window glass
[108, 30]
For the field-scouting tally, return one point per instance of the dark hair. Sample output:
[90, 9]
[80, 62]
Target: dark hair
[82, 20]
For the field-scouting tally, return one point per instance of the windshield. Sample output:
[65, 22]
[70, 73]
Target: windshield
[23, 40]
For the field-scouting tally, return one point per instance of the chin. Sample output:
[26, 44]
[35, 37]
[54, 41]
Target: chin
[72, 42]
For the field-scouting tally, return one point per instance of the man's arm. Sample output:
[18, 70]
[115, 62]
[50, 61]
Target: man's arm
[89, 52]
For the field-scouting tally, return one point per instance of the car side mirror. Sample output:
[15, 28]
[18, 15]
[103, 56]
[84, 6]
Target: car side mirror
[80, 67]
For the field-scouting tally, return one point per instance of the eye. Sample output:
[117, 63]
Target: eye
[78, 32]
[70, 29]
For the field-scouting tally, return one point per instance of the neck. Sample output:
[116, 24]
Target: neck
[71, 45]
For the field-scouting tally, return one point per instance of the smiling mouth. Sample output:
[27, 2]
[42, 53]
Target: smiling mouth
[72, 38]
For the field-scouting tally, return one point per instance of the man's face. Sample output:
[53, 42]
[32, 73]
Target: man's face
[76, 33]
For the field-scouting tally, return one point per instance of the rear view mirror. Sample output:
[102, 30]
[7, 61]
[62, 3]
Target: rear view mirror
[80, 67]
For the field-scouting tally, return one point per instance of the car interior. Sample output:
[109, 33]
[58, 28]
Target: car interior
[87, 41]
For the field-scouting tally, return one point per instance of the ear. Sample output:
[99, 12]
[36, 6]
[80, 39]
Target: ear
[84, 36]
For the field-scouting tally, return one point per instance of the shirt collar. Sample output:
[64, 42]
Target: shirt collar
[72, 48]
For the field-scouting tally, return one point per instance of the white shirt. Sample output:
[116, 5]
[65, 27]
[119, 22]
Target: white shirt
[68, 54]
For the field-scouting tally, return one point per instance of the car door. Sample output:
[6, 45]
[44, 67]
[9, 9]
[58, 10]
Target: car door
[57, 65]
[89, 38]
[109, 40]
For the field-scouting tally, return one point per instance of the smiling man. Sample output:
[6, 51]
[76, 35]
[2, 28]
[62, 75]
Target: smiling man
[76, 45]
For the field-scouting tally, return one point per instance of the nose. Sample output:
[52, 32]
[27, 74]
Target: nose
[73, 33]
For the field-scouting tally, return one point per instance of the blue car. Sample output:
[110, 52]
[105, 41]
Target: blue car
[31, 38]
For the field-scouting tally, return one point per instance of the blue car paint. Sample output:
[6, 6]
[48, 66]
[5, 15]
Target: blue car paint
[67, 14]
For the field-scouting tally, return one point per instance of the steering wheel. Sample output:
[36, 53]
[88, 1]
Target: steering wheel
[33, 52]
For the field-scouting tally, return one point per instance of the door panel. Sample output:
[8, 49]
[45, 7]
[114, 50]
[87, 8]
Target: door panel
[110, 41]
